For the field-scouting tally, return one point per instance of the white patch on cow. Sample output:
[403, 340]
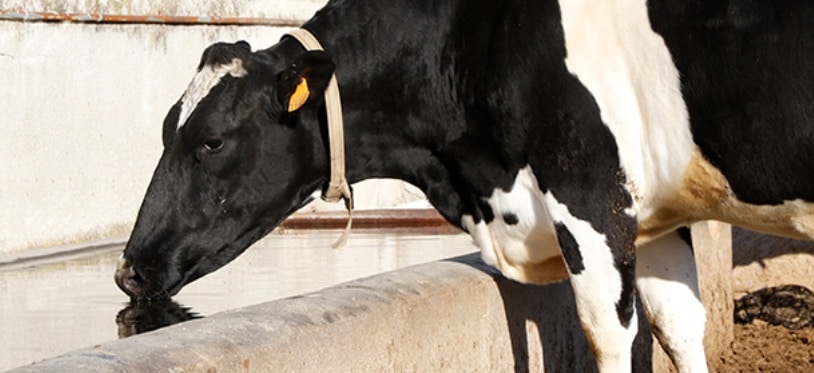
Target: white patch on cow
[667, 281]
[597, 289]
[530, 240]
[207, 78]
[629, 71]
[528, 250]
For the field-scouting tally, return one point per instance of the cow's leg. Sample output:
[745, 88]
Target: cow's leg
[602, 272]
[668, 287]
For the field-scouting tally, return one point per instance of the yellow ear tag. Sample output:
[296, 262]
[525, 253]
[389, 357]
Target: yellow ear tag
[299, 97]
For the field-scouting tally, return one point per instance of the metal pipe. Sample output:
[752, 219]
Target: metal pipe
[99, 18]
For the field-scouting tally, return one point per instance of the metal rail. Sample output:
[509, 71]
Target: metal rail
[100, 18]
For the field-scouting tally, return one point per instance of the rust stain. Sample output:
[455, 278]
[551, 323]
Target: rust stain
[425, 220]
[28, 16]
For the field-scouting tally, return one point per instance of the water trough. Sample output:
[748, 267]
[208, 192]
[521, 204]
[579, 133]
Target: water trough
[454, 315]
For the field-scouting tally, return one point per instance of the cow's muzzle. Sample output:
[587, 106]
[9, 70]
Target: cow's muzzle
[128, 279]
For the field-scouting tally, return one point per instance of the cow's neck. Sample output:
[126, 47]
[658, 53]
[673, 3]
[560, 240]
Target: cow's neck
[396, 117]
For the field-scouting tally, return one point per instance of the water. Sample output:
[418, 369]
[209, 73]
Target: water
[50, 308]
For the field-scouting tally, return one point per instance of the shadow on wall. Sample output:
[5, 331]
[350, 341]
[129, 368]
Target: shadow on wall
[552, 310]
[749, 247]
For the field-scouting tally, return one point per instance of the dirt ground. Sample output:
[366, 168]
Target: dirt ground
[760, 347]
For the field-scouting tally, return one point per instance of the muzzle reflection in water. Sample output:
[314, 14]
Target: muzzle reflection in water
[144, 316]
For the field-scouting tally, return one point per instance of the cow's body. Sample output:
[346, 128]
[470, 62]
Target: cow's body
[570, 140]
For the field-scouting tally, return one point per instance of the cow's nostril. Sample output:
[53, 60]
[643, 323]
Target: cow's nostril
[128, 279]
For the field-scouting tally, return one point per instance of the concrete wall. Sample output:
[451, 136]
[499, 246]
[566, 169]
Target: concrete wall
[82, 107]
[452, 316]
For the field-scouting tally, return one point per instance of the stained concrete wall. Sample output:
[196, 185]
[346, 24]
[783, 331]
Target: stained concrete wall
[82, 107]
[296, 9]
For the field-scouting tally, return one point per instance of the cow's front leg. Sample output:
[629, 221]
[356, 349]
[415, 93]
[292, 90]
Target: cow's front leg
[600, 260]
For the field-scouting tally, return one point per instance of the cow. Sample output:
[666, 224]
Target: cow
[570, 139]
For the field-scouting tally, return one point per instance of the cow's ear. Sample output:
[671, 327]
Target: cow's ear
[220, 54]
[305, 80]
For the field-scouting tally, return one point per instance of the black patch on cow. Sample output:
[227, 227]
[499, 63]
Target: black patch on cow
[570, 249]
[627, 300]
[510, 218]
[746, 75]
[487, 214]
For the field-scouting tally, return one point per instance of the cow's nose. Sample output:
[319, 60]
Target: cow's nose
[128, 279]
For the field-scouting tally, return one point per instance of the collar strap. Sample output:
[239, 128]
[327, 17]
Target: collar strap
[338, 187]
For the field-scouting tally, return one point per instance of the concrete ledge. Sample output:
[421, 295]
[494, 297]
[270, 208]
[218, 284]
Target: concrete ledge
[456, 315]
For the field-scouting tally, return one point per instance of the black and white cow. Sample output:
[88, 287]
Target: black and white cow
[570, 139]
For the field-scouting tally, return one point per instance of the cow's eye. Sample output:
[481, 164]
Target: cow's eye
[213, 145]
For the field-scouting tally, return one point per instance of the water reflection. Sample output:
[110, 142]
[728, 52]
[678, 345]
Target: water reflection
[144, 316]
[62, 304]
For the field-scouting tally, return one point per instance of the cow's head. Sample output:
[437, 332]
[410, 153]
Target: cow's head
[242, 150]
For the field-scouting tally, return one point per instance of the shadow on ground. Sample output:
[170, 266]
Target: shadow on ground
[749, 247]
